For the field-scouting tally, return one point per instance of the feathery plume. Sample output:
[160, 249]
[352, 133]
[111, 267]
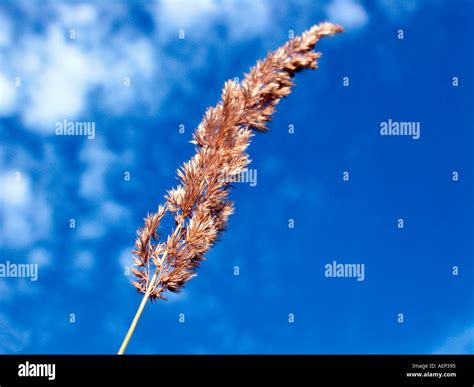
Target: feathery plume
[200, 204]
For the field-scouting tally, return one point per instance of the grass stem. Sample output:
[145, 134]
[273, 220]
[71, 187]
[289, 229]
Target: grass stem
[133, 325]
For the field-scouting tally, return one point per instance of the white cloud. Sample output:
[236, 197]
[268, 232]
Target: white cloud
[8, 96]
[15, 189]
[459, 343]
[5, 30]
[349, 13]
[109, 213]
[243, 19]
[61, 76]
[28, 289]
[82, 275]
[12, 338]
[12, 288]
[174, 298]
[113, 212]
[6, 290]
[397, 10]
[125, 258]
[248, 19]
[97, 159]
[41, 257]
[90, 229]
[26, 217]
[185, 14]
[140, 67]
[58, 74]
[84, 261]
[73, 15]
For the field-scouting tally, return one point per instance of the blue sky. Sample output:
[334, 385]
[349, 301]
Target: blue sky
[68, 61]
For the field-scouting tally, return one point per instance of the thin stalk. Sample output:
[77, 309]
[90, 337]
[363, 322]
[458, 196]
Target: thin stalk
[134, 323]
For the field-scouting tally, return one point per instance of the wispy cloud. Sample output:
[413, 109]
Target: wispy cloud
[82, 50]
[41, 257]
[59, 67]
[243, 19]
[461, 342]
[349, 13]
[399, 10]
[5, 30]
[97, 159]
[8, 96]
[27, 216]
[109, 214]
[12, 337]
